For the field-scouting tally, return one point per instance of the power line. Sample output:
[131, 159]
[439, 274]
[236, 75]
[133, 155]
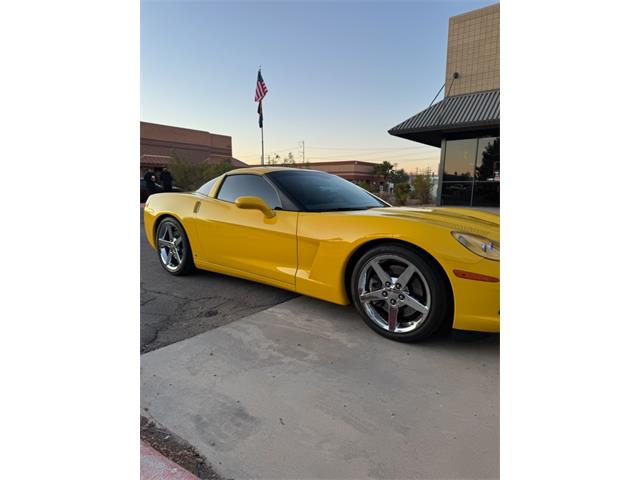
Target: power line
[282, 150]
[369, 154]
[363, 157]
[417, 160]
[370, 149]
[377, 156]
[374, 155]
[361, 148]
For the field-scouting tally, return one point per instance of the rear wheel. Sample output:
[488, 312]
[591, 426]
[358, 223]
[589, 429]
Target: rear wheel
[173, 246]
[399, 294]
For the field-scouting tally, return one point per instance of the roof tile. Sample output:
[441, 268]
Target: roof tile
[458, 111]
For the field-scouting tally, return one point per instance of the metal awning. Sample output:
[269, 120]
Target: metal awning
[458, 113]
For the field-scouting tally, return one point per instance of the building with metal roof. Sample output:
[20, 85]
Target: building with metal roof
[465, 124]
[467, 112]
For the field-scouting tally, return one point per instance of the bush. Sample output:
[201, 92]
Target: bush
[422, 187]
[365, 186]
[192, 175]
[401, 192]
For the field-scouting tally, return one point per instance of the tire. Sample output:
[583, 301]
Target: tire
[421, 306]
[174, 250]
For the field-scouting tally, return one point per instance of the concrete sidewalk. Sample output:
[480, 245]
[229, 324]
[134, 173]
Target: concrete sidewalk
[306, 390]
[154, 466]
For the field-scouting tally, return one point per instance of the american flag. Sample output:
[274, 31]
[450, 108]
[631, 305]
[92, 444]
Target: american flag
[261, 88]
[261, 92]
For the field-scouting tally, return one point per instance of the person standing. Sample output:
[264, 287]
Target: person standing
[150, 182]
[166, 179]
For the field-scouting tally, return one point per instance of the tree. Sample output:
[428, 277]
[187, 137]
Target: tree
[192, 175]
[398, 176]
[422, 185]
[490, 160]
[401, 192]
[384, 170]
[289, 160]
[273, 161]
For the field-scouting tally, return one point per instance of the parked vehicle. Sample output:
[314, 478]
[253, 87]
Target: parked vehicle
[409, 272]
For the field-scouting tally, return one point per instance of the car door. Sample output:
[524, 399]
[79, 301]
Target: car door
[247, 240]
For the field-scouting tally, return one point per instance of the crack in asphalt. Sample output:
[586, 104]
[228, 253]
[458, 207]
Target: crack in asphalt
[176, 308]
[173, 308]
[154, 337]
[192, 299]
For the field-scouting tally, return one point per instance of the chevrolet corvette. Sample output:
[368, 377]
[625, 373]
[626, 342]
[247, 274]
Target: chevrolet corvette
[409, 272]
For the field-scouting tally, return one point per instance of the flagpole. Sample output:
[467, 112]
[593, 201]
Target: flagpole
[261, 91]
[261, 124]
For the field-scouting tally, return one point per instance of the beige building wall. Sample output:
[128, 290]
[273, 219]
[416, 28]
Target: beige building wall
[220, 144]
[474, 51]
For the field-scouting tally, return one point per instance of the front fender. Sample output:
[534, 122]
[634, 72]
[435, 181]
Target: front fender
[177, 205]
[323, 256]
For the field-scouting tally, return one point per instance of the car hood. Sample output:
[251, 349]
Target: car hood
[458, 219]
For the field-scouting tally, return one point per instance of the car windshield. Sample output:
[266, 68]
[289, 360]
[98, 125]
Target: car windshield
[323, 192]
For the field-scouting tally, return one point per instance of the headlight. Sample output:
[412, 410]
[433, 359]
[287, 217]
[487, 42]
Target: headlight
[479, 245]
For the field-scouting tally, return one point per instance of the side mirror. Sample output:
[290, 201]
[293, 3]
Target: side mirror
[255, 203]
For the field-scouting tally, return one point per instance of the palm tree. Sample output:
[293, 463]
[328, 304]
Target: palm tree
[384, 170]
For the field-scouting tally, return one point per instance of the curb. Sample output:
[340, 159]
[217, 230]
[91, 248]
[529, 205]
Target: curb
[155, 466]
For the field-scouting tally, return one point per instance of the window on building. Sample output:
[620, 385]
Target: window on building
[471, 172]
[486, 188]
[247, 185]
[486, 194]
[456, 193]
[488, 159]
[460, 158]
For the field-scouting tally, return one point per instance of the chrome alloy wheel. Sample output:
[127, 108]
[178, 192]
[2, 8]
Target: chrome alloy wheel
[171, 246]
[394, 293]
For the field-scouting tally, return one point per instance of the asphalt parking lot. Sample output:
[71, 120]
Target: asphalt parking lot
[267, 384]
[175, 308]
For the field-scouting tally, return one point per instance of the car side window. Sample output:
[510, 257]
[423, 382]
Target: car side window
[206, 188]
[247, 185]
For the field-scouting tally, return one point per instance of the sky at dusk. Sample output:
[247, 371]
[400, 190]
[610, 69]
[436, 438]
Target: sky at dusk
[339, 74]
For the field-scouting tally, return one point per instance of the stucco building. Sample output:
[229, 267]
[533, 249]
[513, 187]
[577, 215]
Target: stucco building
[159, 142]
[466, 123]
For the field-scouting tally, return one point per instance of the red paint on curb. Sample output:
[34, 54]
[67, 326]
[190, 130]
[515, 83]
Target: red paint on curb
[155, 466]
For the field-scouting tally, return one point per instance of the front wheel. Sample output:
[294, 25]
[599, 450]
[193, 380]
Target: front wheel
[399, 294]
[173, 247]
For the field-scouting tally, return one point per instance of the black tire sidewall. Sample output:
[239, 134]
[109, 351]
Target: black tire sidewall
[187, 264]
[439, 297]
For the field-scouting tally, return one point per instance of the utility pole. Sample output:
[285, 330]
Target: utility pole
[301, 145]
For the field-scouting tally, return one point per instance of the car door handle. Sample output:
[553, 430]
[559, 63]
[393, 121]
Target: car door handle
[196, 207]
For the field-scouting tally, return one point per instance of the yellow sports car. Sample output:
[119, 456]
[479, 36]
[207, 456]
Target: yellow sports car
[409, 271]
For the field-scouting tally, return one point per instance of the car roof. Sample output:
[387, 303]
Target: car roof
[264, 170]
